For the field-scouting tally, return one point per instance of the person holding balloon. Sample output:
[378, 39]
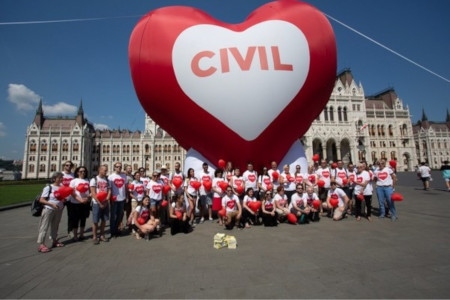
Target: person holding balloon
[363, 192]
[191, 186]
[311, 179]
[237, 184]
[179, 221]
[288, 181]
[53, 203]
[144, 222]
[176, 180]
[337, 201]
[250, 209]
[251, 179]
[323, 180]
[314, 203]
[80, 206]
[100, 192]
[205, 192]
[274, 174]
[219, 186]
[299, 207]
[299, 177]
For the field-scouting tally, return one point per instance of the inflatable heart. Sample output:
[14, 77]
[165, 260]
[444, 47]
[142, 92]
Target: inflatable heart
[316, 204]
[83, 187]
[166, 189]
[164, 203]
[130, 187]
[183, 60]
[396, 196]
[101, 196]
[292, 218]
[334, 202]
[177, 182]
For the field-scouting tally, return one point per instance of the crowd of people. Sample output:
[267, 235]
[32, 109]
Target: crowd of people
[146, 205]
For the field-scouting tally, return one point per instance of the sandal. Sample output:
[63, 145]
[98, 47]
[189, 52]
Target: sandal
[57, 245]
[43, 249]
[103, 239]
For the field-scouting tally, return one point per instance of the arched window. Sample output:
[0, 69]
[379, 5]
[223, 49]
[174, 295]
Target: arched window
[42, 168]
[383, 154]
[31, 169]
[147, 149]
[345, 114]
[339, 112]
[325, 113]
[391, 131]
[393, 156]
[374, 156]
[65, 146]
[33, 146]
[54, 146]
[405, 129]
[53, 168]
[331, 114]
[75, 146]
[44, 146]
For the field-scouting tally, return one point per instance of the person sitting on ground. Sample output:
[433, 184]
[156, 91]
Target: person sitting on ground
[338, 194]
[310, 197]
[269, 214]
[298, 206]
[281, 204]
[248, 215]
[144, 222]
[233, 209]
[179, 221]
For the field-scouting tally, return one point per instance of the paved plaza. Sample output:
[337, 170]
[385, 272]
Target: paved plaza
[409, 258]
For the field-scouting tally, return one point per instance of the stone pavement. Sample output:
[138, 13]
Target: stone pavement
[409, 258]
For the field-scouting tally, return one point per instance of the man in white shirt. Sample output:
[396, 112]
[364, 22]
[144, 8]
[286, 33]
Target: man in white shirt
[424, 172]
[119, 184]
[251, 179]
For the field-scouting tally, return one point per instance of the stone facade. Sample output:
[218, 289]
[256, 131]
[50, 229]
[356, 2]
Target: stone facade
[352, 127]
[432, 141]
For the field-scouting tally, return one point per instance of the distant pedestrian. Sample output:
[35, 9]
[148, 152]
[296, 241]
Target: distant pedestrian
[445, 168]
[424, 172]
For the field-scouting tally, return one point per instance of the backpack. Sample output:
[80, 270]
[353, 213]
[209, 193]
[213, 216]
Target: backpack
[37, 206]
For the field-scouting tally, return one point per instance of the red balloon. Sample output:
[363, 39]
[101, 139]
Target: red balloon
[166, 189]
[334, 165]
[292, 218]
[223, 185]
[320, 183]
[177, 181]
[275, 175]
[222, 212]
[113, 198]
[141, 221]
[269, 187]
[171, 61]
[130, 187]
[334, 202]
[179, 214]
[58, 195]
[396, 196]
[164, 203]
[207, 185]
[83, 187]
[222, 163]
[344, 181]
[239, 189]
[393, 164]
[316, 204]
[196, 184]
[101, 196]
[316, 157]
[360, 197]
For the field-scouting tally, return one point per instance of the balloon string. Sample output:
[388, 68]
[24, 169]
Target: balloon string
[66, 20]
[389, 49]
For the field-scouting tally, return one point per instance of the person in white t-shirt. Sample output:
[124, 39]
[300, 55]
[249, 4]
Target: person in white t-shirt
[251, 179]
[79, 208]
[100, 207]
[338, 194]
[299, 207]
[362, 191]
[233, 209]
[281, 204]
[385, 182]
[248, 214]
[119, 187]
[424, 172]
[205, 193]
[144, 222]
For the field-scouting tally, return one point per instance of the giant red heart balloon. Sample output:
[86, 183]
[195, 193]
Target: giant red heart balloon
[279, 63]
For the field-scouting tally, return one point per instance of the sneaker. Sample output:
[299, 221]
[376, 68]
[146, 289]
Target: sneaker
[96, 241]
[202, 220]
[394, 218]
[211, 219]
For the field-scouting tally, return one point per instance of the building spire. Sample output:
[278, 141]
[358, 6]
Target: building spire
[39, 110]
[448, 116]
[80, 108]
[424, 116]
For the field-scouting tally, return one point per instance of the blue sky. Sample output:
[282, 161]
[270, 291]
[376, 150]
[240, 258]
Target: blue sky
[64, 62]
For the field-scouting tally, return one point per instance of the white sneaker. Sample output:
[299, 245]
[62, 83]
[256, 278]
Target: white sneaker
[202, 220]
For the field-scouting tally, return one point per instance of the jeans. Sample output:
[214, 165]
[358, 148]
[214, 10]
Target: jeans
[117, 210]
[385, 193]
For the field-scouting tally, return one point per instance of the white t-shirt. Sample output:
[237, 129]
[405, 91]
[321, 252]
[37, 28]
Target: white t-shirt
[250, 179]
[51, 197]
[101, 185]
[154, 189]
[337, 194]
[300, 178]
[424, 171]
[274, 182]
[364, 176]
[298, 200]
[310, 198]
[190, 188]
[216, 181]
[79, 185]
[264, 180]
[325, 175]
[138, 190]
[203, 178]
[288, 181]
[230, 203]
[384, 177]
[282, 200]
[118, 186]
[67, 178]
[142, 212]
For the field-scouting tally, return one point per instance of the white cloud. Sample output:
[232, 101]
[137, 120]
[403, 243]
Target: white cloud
[100, 126]
[2, 129]
[24, 98]
[60, 109]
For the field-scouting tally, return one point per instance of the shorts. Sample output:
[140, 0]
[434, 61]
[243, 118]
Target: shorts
[100, 214]
[205, 200]
[154, 202]
[425, 179]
